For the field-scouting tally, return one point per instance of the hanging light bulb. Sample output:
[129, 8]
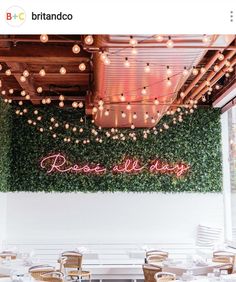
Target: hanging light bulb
[168, 71]
[144, 91]
[216, 68]
[169, 43]
[134, 51]
[147, 68]
[156, 102]
[153, 120]
[126, 63]
[195, 71]
[48, 100]
[107, 61]
[75, 105]
[182, 94]
[203, 99]
[227, 63]
[44, 38]
[107, 112]
[88, 39]
[135, 115]
[132, 126]
[202, 70]
[95, 109]
[23, 93]
[76, 49]
[185, 71]
[221, 56]
[82, 67]
[39, 89]
[25, 73]
[122, 97]
[61, 98]
[100, 102]
[159, 37]
[80, 104]
[133, 41]
[8, 72]
[230, 69]
[168, 82]
[61, 104]
[62, 70]
[42, 72]
[123, 114]
[11, 91]
[146, 115]
[205, 39]
[128, 107]
[227, 74]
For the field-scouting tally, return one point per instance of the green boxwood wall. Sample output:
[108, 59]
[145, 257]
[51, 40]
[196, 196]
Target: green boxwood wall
[195, 141]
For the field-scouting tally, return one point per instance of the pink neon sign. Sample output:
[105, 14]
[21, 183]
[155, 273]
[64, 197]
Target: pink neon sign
[59, 163]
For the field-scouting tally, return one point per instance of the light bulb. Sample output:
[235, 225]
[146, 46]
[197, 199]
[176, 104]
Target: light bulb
[170, 43]
[27, 97]
[80, 105]
[123, 114]
[168, 71]
[95, 109]
[227, 74]
[195, 71]
[203, 99]
[159, 37]
[103, 56]
[147, 68]
[134, 51]
[22, 78]
[185, 71]
[42, 72]
[61, 104]
[54, 135]
[221, 56]
[11, 91]
[230, 69]
[41, 129]
[122, 97]
[227, 63]
[75, 104]
[153, 120]
[135, 116]
[100, 102]
[107, 61]
[61, 98]
[156, 102]
[23, 93]
[8, 72]
[132, 126]
[216, 68]
[76, 49]
[20, 103]
[101, 108]
[48, 100]
[168, 82]
[82, 67]
[217, 86]
[67, 125]
[128, 107]
[144, 91]
[25, 73]
[62, 70]
[205, 39]
[132, 41]
[107, 112]
[126, 63]
[44, 38]
[0, 67]
[146, 115]
[182, 94]
[202, 70]
[88, 39]
[39, 89]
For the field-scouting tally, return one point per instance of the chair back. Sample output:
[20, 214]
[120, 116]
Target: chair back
[53, 276]
[157, 253]
[149, 272]
[37, 270]
[165, 277]
[224, 256]
[8, 254]
[72, 259]
[152, 259]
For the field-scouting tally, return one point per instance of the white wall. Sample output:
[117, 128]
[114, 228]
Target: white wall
[107, 217]
[3, 217]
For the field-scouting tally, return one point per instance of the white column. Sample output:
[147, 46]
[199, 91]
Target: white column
[226, 177]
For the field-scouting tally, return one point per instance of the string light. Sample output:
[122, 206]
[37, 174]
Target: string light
[195, 71]
[153, 120]
[203, 99]
[107, 112]
[8, 72]
[227, 63]
[182, 94]
[128, 107]
[76, 49]
[205, 39]
[135, 115]
[169, 43]
[23, 93]
[42, 72]
[88, 39]
[126, 63]
[27, 97]
[61, 104]
[82, 67]
[61, 98]
[133, 41]
[107, 61]
[146, 115]
[62, 70]
[134, 51]
[156, 102]
[147, 68]
[123, 114]
[168, 82]
[100, 102]
[185, 71]
[202, 70]
[144, 91]
[216, 68]
[231, 69]
[75, 104]
[11, 91]
[44, 38]
[94, 109]
[80, 105]
[122, 97]
[25, 73]
[132, 126]
[159, 38]
[39, 89]
[168, 71]
[221, 56]
[22, 78]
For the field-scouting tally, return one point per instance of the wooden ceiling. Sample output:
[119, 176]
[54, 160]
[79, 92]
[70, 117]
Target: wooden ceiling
[107, 82]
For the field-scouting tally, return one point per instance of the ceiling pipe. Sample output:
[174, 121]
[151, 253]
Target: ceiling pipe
[215, 79]
[211, 75]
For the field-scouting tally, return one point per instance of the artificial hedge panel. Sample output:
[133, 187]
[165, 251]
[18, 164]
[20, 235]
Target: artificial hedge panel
[196, 141]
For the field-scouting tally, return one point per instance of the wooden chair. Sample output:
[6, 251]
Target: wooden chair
[165, 277]
[38, 270]
[149, 272]
[53, 276]
[225, 257]
[157, 252]
[155, 256]
[73, 260]
[7, 254]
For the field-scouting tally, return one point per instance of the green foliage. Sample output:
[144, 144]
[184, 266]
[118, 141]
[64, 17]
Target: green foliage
[196, 141]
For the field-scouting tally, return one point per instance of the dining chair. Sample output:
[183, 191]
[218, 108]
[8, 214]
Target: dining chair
[8, 254]
[154, 256]
[225, 257]
[73, 260]
[149, 272]
[157, 252]
[37, 270]
[165, 276]
[53, 276]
